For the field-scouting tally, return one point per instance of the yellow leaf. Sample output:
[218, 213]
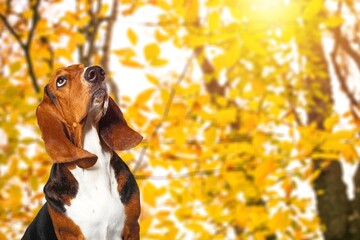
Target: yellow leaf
[228, 58]
[195, 227]
[79, 38]
[330, 122]
[34, 182]
[144, 96]
[83, 21]
[160, 37]
[14, 67]
[214, 21]
[312, 9]
[226, 116]
[263, 170]
[159, 62]
[27, 13]
[104, 9]
[13, 168]
[127, 156]
[132, 36]
[192, 10]
[184, 212]
[349, 152]
[63, 53]
[222, 101]
[148, 193]
[131, 63]
[152, 79]
[125, 53]
[165, 94]
[151, 51]
[178, 110]
[210, 136]
[13, 201]
[145, 226]
[334, 21]
[151, 193]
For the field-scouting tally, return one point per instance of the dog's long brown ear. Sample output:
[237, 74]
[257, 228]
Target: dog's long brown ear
[55, 136]
[115, 131]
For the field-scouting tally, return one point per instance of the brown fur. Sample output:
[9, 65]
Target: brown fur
[132, 212]
[65, 228]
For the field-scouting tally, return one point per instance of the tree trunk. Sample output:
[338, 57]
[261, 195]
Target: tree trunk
[332, 203]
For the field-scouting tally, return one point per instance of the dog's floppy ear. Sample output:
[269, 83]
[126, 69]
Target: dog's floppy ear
[56, 137]
[114, 130]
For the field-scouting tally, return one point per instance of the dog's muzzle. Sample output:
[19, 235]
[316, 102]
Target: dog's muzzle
[99, 94]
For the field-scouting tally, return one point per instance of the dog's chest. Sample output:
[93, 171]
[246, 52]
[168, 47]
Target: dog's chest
[97, 208]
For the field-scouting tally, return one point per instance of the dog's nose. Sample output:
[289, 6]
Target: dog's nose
[94, 74]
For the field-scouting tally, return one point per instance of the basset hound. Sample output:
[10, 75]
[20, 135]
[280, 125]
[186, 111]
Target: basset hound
[91, 193]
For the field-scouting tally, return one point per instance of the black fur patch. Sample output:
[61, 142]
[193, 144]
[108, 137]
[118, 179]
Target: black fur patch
[128, 189]
[61, 187]
[50, 95]
[130, 185]
[41, 227]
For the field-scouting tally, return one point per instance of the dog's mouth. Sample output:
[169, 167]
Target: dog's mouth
[99, 103]
[99, 96]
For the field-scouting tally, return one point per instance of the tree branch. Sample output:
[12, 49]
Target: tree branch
[90, 31]
[345, 44]
[106, 48]
[165, 114]
[213, 87]
[180, 175]
[341, 78]
[12, 31]
[26, 47]
[35, 20]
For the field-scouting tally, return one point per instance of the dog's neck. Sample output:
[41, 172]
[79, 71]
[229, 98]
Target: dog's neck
[91, 140]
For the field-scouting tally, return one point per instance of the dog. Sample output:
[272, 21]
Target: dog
[91, 193]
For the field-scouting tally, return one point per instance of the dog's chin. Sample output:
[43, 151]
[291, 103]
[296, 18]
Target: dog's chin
[99, 97]
[99, 105]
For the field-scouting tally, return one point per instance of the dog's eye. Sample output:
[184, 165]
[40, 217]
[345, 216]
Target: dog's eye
[61, 81]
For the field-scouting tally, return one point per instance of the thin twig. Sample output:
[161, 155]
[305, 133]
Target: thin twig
[165, 114]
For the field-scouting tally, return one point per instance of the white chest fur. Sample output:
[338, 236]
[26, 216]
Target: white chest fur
[97, 208]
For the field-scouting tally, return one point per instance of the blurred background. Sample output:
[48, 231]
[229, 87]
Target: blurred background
[249, 110]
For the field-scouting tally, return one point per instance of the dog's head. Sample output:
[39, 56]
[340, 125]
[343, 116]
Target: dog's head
[73, 95]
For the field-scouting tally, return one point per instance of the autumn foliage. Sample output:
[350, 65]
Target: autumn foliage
[247, 109]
